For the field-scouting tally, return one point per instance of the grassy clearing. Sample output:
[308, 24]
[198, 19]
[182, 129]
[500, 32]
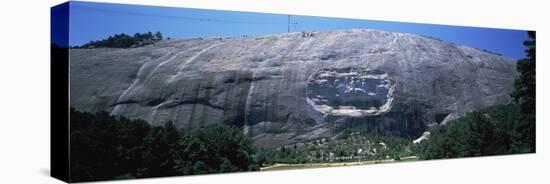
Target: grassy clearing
[280, 166]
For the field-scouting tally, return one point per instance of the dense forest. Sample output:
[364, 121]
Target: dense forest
[124, 41]
[106, 147]
[492, 131]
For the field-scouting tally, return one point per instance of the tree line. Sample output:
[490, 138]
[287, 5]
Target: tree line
[105, 147]
[124, 41]
[492, 131]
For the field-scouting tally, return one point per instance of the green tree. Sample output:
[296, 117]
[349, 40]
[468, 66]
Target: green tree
[149, 35]
[228, 146]
[159, 150]
[158, 36]
[524, 95]
[190, 152]
[93, 151]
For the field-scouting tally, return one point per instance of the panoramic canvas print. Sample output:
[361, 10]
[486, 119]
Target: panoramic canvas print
[147, 91]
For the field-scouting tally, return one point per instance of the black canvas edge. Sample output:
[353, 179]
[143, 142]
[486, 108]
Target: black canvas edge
[59, 93]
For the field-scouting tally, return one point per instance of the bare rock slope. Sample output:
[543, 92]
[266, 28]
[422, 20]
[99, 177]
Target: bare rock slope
[293, 87]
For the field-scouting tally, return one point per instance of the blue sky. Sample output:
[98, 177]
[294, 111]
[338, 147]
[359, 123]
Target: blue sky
[93, 21]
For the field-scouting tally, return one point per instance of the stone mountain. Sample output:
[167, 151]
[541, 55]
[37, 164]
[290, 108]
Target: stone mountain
[293, 87]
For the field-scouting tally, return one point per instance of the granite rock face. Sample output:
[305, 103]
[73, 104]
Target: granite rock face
[289, 88]
[352, 92]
